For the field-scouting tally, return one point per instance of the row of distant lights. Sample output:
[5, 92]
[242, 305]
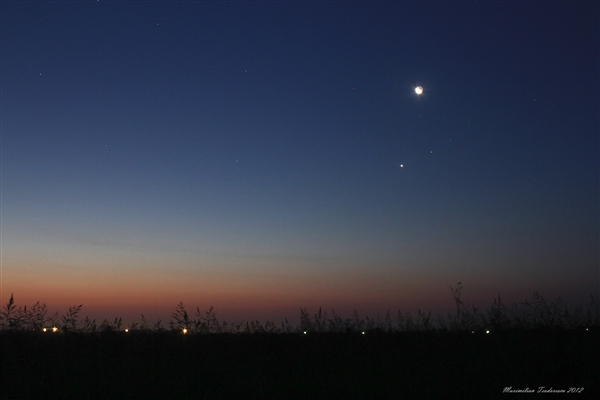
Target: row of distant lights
[185, 331]
[126, 330]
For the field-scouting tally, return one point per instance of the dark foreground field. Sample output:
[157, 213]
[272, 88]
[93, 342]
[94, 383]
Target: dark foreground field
[376, 365]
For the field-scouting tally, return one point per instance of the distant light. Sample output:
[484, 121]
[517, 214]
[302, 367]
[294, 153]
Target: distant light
[363, 333]
[587, 329]
[54, 329]
[44, 329]
[184, 331]
[401, 165]
[487, 331]
[304, 332]
[126, 330]
[419, 90]
[472, 331]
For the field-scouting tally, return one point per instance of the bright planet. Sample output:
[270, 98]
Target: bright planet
[419, 90]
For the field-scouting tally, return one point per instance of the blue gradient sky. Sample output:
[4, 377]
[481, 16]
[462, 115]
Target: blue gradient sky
[247, 155]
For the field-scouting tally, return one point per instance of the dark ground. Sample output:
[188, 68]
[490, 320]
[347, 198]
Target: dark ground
[169, 365]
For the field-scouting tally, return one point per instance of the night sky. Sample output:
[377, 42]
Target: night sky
[260, 157]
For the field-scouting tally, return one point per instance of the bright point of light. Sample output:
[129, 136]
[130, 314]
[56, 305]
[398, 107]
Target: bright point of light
[363, 333]
[45, 329]
[126, 330]
[304, 332]
[401, 165]
[55, 329]
[419, 90]
[487, 331]
[184, 331]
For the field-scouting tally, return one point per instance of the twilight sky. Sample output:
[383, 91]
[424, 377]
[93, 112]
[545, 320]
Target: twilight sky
[247, 155]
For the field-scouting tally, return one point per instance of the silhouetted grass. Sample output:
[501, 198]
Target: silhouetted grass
[530, 344]
[533, 314]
